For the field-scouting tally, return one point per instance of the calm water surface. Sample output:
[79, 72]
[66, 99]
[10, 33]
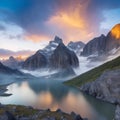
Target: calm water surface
[43, 93]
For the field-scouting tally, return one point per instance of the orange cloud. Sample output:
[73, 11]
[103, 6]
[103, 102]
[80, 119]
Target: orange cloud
[37, 38]
[72, 23]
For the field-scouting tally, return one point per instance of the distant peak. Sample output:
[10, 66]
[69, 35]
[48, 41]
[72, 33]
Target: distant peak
[116, 31]
[71, 42]
[11, 57]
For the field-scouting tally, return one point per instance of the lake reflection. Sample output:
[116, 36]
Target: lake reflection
[44, 94]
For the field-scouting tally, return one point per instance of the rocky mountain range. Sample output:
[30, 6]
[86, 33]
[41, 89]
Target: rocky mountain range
[48, 50]
[58, 56]
[54, 56]
[103, 44]
[12, 62]
[41, 58]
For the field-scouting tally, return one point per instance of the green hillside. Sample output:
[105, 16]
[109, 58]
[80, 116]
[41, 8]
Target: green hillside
[94, 73]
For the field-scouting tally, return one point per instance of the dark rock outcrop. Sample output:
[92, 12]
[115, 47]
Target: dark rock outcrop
[76, 46]
[63, 58]
[36, 61]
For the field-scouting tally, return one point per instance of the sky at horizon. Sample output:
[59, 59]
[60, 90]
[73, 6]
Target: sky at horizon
[31, 24]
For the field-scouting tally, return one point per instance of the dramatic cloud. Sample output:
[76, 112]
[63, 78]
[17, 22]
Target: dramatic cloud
[13, 37]
[69, 19]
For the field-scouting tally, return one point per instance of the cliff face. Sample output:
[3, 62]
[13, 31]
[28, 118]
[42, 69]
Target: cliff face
[62, 58]
[36, 61]
[95, 46]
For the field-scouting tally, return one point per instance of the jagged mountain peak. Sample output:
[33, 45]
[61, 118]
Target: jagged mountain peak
[11, 58]
[58, 39]
[48, 50]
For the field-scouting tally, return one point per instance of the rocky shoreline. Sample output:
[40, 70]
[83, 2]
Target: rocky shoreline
[106, 88]
[17, 112]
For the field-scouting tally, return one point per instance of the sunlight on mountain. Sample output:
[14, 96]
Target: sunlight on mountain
[116, 31]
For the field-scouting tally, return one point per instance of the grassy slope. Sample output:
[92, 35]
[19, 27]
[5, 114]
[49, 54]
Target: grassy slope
[94, 73]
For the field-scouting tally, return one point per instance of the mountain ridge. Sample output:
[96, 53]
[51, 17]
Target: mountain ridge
[103, 44]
